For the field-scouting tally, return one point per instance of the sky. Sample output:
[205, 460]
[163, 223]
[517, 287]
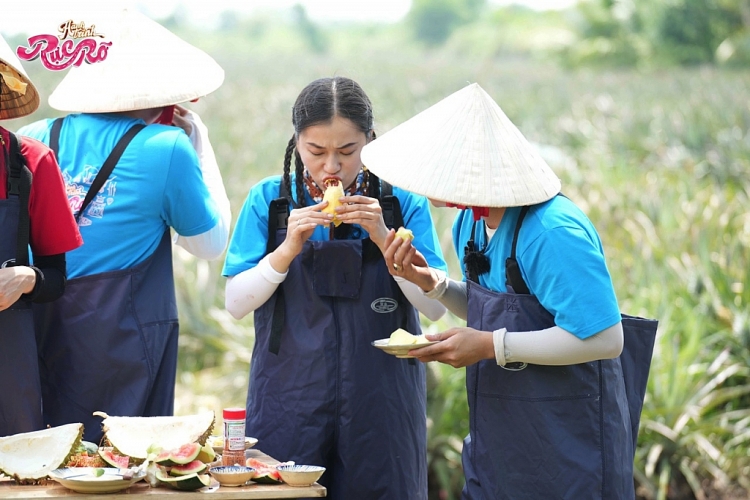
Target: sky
[39, 16]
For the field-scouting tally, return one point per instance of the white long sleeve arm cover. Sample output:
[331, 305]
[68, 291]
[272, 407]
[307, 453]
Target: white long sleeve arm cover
[453, 296]
[552, 346]
[431, 308]
[556, 346]
[251, 289]
[210, 244]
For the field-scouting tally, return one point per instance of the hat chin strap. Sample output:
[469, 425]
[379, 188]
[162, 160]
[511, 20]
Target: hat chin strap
[477, 212]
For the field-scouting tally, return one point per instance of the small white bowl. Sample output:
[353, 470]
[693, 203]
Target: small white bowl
[300, 475]
[232, 475]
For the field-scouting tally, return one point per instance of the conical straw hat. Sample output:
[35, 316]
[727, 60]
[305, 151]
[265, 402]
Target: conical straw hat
[19, 102]
[147, 66]
[463, 150]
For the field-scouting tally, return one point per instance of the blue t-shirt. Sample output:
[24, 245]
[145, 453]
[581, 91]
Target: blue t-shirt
[157, 184]
[248, 244]
[561, 260]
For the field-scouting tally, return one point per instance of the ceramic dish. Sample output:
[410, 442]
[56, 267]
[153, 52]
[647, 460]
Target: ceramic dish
[217, 443]
[234, 475]
[300, 475]
[85, 480]
[402, 350]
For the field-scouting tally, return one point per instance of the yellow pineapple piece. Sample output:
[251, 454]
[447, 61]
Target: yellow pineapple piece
[332, 195]
[402, 337]
[405, 234]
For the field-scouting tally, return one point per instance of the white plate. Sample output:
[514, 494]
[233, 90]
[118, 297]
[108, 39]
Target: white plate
[217, 443]
[400, 350]
[83, 480]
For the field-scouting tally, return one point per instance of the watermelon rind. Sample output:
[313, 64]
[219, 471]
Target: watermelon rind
[113, 459]
[190, 482]
[266, 478]
[194, 467]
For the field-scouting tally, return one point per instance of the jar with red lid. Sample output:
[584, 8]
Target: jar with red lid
[234, 436]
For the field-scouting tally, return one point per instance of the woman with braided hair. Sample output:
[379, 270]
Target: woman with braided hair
[319, 393]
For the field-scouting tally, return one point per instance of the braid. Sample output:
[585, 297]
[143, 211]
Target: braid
[287, 164]
[300, 171]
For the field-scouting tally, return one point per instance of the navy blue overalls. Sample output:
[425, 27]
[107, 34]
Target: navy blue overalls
[550, 432]
[20, 396]
[110, 342]
[328, 397]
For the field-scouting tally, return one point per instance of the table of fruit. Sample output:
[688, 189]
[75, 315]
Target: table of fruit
[152, 457]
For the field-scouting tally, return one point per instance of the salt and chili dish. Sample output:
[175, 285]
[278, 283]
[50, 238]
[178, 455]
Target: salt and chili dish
[232, 475]
[300, 475]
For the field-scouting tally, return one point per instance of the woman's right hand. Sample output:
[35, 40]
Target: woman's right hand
[14, 282]
[405, 261]
[300, 226]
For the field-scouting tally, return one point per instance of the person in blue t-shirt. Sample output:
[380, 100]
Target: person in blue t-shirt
[136, 165]
[319, 393]
[551, 413]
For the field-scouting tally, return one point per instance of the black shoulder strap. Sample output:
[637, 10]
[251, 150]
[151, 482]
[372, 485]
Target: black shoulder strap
[19, 184]
[513, 275]
[54, 136]
[278, 215]
[391, 207]
[108, 166]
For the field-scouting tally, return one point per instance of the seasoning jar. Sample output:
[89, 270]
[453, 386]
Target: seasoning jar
[234, 437]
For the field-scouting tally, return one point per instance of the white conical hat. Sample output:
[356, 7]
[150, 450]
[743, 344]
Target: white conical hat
[147, 66]
[24, 99]
[463, 150]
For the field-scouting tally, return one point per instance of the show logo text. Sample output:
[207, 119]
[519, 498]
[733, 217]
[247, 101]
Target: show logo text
[75, 45]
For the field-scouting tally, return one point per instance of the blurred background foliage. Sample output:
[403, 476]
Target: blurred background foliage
[640, 106]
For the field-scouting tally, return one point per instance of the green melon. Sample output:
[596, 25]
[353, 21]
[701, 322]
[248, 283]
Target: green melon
[207, 454]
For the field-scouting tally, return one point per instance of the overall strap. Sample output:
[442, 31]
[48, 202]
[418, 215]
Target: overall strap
[278, 215]
[391, 207]
[108, 166]
[54, 136]
[513, 275]
[19, 184]
[392, 216]
[394, 219]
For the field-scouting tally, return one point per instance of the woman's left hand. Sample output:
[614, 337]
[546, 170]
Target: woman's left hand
[457, 347]
[179, 120]
[366, 212]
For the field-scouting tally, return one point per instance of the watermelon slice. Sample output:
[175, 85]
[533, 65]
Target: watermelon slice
[113, 459]
[181, 456]
[196, 466]
[264, 473]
